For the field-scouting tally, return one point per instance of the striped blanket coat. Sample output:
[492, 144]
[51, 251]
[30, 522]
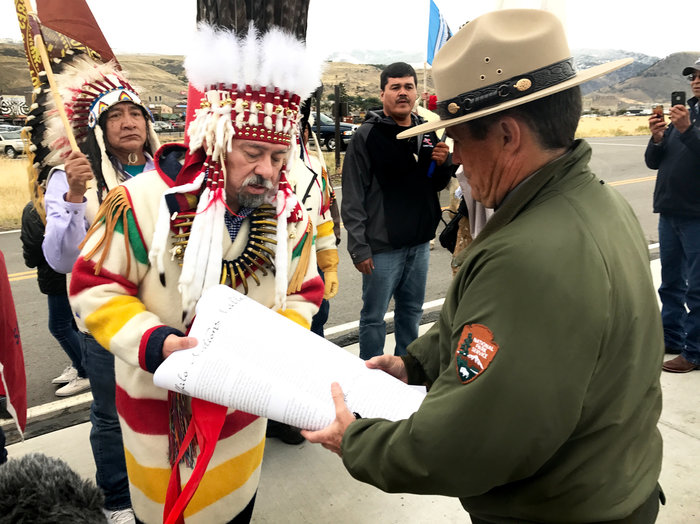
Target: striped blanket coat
[130, 312]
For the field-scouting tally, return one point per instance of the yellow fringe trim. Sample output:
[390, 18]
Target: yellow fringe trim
[298, 278]
[115, 207]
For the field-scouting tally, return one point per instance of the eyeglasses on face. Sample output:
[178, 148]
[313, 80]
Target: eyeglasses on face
[693, 76]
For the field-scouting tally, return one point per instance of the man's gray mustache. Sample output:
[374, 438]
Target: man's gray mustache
[257, 180]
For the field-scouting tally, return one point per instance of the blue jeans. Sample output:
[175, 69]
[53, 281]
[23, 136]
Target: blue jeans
[320, 318]
[106, 435]
[400, 273]
[679, 249]
[62, 327]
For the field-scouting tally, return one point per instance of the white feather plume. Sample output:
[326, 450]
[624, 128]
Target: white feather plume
[275, 59]
[250, 58]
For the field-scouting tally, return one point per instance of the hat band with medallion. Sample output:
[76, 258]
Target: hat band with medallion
[501, 60]
[510, 89]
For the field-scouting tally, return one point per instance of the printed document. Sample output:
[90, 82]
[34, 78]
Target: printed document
[255, 360]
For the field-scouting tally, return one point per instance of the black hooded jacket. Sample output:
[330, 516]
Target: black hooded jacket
[390, 200]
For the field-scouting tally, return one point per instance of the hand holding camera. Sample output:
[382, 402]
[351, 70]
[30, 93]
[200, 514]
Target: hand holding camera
[657, 125]
[679, 114]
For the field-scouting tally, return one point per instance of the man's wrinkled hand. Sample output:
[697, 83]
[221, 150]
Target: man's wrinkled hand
[657, 126]
[440, 153]
[173, 343]
[78, 174]
[365, 267]
[680, 117]
[390, 364]
[331, 436]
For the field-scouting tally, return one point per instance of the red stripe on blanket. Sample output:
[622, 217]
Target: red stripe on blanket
[84, 277]
[235, 422]
[312, 290]
[148, 416]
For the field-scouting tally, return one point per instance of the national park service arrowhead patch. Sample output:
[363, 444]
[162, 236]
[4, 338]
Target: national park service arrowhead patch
[475, 352]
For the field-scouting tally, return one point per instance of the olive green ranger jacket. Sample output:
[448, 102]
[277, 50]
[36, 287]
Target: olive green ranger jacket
[543, 369]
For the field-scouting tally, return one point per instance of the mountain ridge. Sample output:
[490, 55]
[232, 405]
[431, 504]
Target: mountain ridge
[162, 78]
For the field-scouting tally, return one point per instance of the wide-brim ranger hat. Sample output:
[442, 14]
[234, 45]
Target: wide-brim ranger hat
[500, 60]
[689, 69]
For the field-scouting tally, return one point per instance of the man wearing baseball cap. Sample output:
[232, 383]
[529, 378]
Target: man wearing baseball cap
[675, 151]
[543, 369]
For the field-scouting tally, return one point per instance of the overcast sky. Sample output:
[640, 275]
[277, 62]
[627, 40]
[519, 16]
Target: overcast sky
[161, 26]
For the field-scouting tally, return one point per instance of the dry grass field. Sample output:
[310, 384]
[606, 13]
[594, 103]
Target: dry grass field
[613, 126]
[14, 193]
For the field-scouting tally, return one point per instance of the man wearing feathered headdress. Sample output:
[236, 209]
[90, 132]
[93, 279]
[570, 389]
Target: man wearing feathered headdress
[218, 211]
[113, 129]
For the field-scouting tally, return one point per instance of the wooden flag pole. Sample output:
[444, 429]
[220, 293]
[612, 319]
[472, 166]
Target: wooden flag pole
[58, 102]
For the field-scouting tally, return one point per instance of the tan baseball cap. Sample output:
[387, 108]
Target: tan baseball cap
[500, 60]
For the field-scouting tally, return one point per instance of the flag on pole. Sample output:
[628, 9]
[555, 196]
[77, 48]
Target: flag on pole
[438, 32]
[56, 33]
[74, 19]
[64, 25]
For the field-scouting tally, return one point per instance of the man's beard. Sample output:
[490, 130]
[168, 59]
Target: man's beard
[254, 200]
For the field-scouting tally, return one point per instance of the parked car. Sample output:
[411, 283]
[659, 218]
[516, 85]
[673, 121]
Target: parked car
[160, 125]
[326, 133]
[4, 128]
[11, 144]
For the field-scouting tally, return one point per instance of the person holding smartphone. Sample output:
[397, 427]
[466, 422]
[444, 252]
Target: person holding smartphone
[674, 149]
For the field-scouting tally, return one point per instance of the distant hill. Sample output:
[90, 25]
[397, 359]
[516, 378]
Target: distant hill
[650, 86]
[646, 80]
[153, 75]
[585, 58]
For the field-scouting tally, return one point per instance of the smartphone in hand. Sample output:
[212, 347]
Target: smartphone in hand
[658, 111]
[678, 98]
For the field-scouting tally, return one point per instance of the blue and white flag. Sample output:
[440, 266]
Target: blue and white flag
[438, 32]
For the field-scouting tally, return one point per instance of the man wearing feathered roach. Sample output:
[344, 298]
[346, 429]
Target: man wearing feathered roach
[217, 211]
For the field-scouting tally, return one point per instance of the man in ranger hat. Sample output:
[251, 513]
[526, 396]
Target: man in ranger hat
[675, 151]
[219, 211]
[543, 369]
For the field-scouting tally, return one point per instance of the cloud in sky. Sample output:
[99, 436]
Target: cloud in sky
[162, 26]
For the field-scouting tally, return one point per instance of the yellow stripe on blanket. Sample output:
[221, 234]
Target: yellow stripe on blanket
[295, 317]
[106, 321]
[153, 482]
[225, 478]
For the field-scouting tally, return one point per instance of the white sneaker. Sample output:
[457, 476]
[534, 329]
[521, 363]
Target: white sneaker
[76, 385]
[120, 516]
[68, 374]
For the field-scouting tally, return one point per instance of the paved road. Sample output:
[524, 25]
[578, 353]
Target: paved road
[618, 161]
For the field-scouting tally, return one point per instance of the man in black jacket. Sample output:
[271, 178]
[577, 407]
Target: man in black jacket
[675, 151]
[390, 210]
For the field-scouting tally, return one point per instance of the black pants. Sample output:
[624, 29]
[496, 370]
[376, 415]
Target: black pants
[644, 514]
